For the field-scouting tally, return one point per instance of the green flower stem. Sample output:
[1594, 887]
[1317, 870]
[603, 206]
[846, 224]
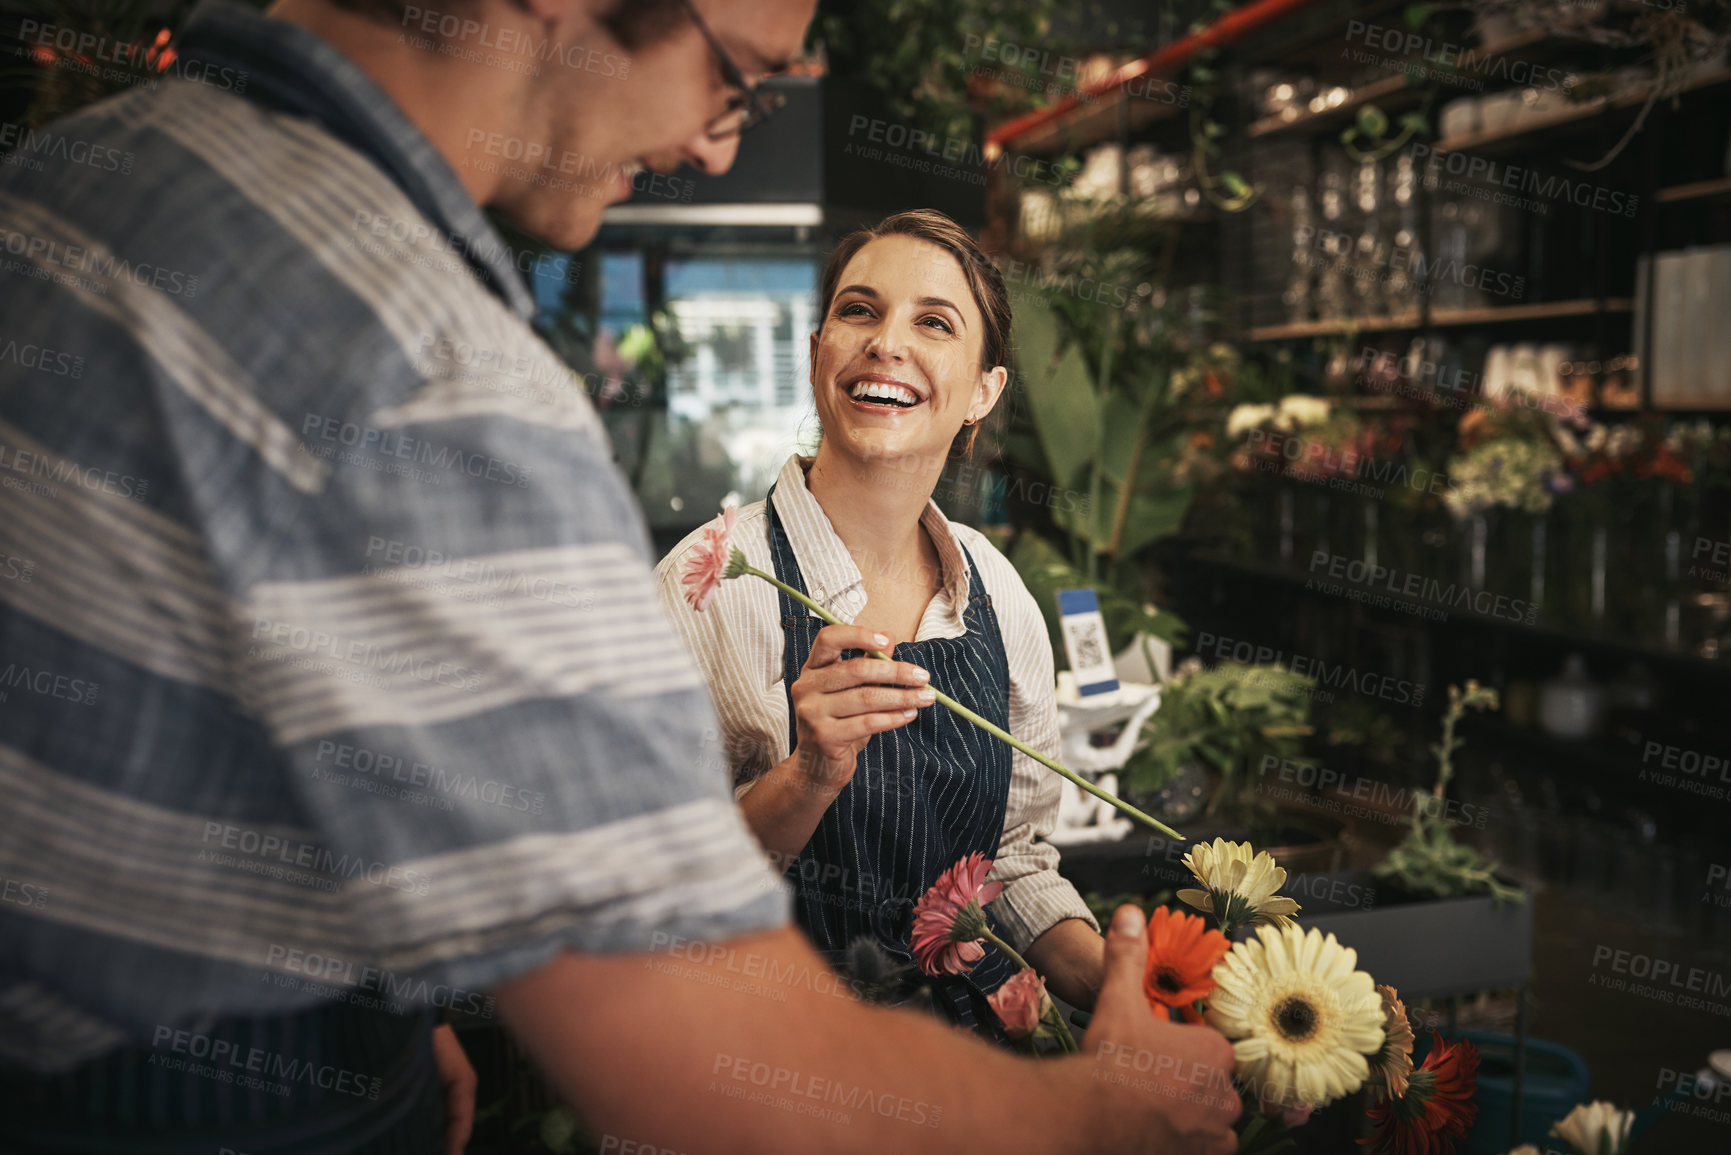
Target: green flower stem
[956, 707]
[1021, 963]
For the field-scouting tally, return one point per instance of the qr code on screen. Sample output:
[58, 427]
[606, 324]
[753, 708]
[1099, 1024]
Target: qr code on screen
[1087, 645]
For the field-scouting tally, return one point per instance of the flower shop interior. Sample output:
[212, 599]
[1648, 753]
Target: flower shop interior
[1364, 371]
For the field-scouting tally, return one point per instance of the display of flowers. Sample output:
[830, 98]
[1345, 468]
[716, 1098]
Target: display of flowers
[1511, 473]
[1596, 1128]
[1293, 412]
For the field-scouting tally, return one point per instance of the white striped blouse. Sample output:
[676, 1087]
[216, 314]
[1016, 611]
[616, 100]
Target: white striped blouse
[738, 645]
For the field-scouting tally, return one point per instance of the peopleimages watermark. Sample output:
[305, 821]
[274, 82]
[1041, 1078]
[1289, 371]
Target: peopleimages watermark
[543, 165]
[284, 641]
[31, 895]
[41, 256]
[1400, 261]
[449, 249]
[1043, 282]
[254, 848]
[229, 1063]
[508, 48]
[1706, 775]
[93, 478]
[1040, 70]
[42, 358]
[1466, 65]
[344, 764]
[17, 569]
[1452, 386]
[395, 444]
[1382, 802]
[1687, 988]
[467, 578]
[16, 676]
[1521, 187]
[1333, 675]
[955, 157]
[90, 53]
[1366, 582]
[746, 972]
[1314, 459]
[29, 148]
[1718, 555]
[798, 1093]
[363, 985]
[1687, 1092]
[1718, 874]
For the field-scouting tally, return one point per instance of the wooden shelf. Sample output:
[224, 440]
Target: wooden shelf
[1694, 191]
[1582, 112]
[1389, 87]
[1441, 318]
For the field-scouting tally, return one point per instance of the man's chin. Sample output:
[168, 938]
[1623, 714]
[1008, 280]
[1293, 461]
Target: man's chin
[561, 225]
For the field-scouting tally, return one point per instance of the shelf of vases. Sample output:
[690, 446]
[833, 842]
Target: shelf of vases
[1630, 568]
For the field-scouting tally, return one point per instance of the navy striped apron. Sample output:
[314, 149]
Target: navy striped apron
[922, 797]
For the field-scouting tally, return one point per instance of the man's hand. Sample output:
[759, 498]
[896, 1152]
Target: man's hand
[1165, 1075]
[458, 1079]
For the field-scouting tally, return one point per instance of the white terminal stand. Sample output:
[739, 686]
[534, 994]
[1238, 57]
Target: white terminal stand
[1083, 818]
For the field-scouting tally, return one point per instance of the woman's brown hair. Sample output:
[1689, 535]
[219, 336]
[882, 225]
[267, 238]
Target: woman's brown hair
[984, 282]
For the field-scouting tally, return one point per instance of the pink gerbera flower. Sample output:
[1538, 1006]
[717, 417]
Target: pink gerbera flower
[950, 920]
[1019, 1003]
[707, 566]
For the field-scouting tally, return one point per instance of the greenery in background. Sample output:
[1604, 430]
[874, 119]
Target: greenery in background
[916, 54]
[1227, 191]
[1430, 861]
[1230, 718]
[1101, 906]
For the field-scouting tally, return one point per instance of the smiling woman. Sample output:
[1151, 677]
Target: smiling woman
[844, 775]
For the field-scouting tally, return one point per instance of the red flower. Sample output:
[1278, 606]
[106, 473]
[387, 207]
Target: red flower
[1182, 953]
[1438, 1105]
[950, 920]
[707, 566]
[1019, 1002]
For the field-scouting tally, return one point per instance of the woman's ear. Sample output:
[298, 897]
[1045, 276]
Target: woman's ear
[986, 396]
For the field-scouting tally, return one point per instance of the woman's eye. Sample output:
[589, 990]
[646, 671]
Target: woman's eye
[939, 322]
[854, 309]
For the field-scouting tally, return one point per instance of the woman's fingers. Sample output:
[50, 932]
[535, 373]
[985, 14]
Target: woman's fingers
[826, 648]
[859, 700]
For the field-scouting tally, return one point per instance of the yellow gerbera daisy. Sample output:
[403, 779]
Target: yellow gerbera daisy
[1239, 885]
[1590, 1124]
[1301, 1017]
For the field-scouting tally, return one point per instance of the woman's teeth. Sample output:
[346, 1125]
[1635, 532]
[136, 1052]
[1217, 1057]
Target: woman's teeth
[884, 392]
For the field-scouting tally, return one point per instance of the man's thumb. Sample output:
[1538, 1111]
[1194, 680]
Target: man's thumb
[1126, 957]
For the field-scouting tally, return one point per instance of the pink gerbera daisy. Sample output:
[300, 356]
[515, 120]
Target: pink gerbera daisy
[950, 920]
[707, 566]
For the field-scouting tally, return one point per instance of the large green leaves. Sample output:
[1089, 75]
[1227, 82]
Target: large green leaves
[1061, 400]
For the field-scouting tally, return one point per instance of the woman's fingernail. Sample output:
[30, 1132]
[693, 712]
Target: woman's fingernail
[920, 675]
[880, 640]
[927, 696]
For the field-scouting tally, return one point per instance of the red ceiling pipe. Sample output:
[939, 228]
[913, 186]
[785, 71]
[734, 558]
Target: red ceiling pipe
[1230, 28]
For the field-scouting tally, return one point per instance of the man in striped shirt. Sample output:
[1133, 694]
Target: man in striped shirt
[333, 688]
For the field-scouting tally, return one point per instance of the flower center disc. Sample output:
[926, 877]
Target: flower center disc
[1167, 980]
[1296, 1019]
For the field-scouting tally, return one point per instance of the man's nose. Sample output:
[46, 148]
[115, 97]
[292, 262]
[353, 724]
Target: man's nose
[711, 156]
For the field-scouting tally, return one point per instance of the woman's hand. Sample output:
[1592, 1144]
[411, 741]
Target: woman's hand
[458, 1079]
[838, 706]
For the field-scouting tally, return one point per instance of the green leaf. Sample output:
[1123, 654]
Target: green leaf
[1234, 184]
[1414, 123]
[1067, 417]
[1121, 417]
[1371, 121]
[1152, 518]
[1417, 14]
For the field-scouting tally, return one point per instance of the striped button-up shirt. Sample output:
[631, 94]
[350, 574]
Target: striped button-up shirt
[331, 665]
[739, 645]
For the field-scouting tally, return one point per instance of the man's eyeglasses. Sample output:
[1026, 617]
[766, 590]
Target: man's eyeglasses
[748, 107]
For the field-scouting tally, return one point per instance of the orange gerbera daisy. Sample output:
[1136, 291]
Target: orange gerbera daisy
[1182, 953]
